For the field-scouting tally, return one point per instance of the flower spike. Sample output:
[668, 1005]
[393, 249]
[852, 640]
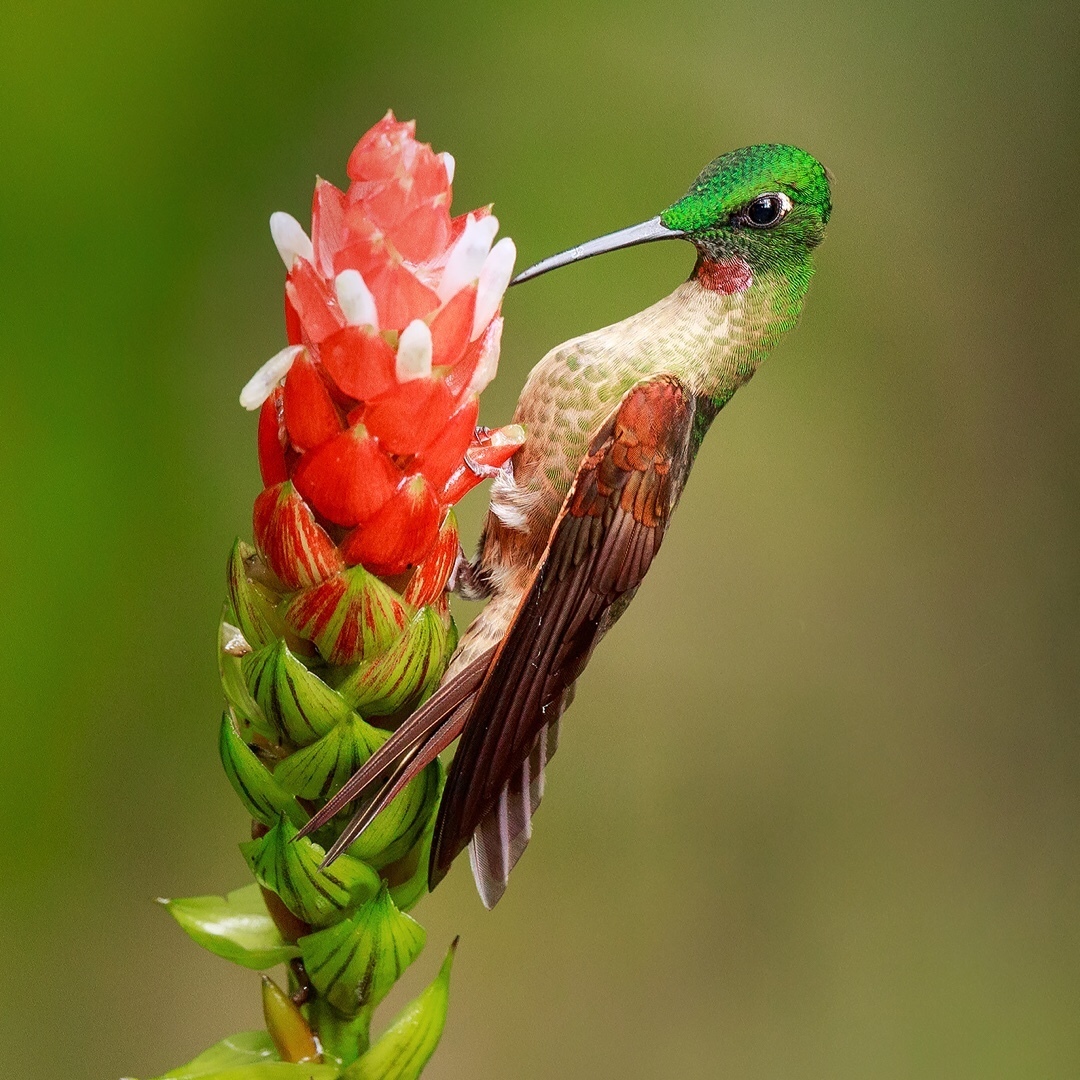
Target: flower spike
[337, 623]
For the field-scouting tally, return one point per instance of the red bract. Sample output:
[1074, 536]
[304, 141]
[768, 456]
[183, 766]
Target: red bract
[367, 435]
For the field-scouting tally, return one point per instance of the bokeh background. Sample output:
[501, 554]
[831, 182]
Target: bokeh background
[817, 809]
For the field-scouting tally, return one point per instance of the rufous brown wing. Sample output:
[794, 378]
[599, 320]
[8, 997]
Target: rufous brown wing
[609, 530]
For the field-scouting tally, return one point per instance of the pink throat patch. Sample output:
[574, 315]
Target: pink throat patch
[727, 277]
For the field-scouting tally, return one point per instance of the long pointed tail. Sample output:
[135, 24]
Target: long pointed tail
[419, 740]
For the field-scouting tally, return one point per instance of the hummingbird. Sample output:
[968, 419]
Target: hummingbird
[613, 421]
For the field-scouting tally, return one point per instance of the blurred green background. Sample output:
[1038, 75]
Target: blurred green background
[817, 810]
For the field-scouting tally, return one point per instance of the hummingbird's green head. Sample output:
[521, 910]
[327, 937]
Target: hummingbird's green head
[752, 212]
[766, 205]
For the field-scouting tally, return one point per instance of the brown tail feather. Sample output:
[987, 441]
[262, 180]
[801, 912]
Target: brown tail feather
[501, 838]
[412, 737]
[409, 765]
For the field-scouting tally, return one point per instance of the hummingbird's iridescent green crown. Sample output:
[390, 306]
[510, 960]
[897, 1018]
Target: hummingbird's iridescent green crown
[768, 204]
[732, 181]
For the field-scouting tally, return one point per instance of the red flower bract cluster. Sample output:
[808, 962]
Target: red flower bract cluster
[367, 430]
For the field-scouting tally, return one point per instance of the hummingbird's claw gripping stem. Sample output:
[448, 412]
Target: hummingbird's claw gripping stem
[466, 579]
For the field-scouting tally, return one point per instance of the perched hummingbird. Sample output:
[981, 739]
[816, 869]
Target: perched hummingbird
[613, 421]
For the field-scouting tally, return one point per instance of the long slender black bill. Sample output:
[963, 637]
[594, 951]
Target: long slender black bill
[645, 233]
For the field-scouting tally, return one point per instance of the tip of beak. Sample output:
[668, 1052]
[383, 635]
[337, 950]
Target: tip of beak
[530, 272]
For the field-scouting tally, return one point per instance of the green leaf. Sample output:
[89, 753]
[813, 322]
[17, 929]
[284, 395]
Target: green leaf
[400, 675]
[355, 962]
[247, 1056]
[318, 770]
[247, 1048]
[295, 700]
[230, 668]
[393, 832]
[253, 603]
[264, 1070]
[406, 1046]
[290, 868]
[236, 926]
[259, 791]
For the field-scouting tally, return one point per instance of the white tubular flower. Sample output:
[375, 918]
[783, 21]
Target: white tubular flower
[467, 256]
[354, 297]
[488, 363]
[290, 239]
[494, 277]
[414, 352]
[261, 385]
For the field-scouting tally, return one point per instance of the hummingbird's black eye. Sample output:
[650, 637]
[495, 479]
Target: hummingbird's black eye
[766, 210]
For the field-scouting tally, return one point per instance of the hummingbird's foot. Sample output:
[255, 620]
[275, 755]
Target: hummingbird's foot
[486, 472]
[466, 579]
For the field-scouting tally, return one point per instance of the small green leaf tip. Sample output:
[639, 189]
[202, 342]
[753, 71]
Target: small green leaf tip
[406, 1046]
[236, 926]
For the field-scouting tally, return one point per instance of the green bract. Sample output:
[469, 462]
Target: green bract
[318, 770]
[265, 798]
[355, 962]
[232, 646]
[289, 867]
[253, 604]
[295, 700]
[351, 617]
[408, 668]
[394, 832]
